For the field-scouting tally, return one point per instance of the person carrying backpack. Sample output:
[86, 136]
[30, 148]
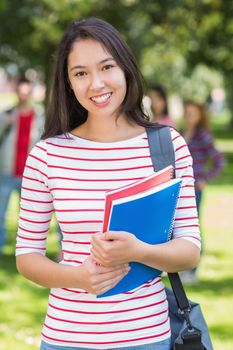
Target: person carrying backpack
[95, 140]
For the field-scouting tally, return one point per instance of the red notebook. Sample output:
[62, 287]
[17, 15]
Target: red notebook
[147, 183]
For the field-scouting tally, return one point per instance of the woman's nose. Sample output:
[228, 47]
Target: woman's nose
[97, 82]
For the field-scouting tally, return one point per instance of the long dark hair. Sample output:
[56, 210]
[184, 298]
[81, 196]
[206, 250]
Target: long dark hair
[64, 111]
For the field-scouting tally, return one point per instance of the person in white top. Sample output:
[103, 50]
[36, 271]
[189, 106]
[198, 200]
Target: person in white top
[95, 141]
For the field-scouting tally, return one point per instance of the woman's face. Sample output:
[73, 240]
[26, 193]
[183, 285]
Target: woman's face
[24, 91]
[97, 81]
[192, 115]
[157, 102]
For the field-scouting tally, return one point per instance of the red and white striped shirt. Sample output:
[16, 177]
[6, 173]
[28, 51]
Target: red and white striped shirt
[70, 176]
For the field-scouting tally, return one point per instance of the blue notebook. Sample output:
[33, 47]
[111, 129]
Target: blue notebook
[149, 216]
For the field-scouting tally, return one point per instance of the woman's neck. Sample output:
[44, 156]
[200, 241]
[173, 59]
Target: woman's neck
[188, 133]
[108, 129]
[24, 107]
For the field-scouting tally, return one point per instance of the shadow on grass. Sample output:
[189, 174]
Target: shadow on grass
[10, 277]
[25, 302]
[215, 287]
[223, 132]
[218, 287]
[225, 178]
[7, 263]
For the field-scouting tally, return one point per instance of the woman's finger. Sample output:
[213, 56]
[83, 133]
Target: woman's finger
[110, 283]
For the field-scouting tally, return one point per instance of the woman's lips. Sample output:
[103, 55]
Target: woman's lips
[101, 99]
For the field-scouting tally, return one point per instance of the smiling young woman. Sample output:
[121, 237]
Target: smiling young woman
[95, 141]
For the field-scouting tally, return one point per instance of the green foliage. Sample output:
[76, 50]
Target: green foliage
[170, 38]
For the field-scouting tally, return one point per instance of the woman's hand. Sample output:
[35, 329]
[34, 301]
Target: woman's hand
[98, 279]
[114, 248]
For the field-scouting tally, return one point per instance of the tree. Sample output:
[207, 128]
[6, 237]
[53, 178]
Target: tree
[32, 30]
[211, 34]
[170, 38]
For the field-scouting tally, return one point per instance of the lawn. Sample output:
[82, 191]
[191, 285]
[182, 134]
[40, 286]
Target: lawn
[23, 304]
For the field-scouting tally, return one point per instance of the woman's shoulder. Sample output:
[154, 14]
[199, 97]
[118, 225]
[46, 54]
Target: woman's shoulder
[56, 139]
[177, 136]
[43, 144]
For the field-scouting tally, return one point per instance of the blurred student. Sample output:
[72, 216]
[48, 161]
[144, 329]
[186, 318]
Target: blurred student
[20, 129]
[207, 160]
[159, 106]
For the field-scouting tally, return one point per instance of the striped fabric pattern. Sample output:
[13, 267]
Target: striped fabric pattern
[70, 176]
[202, 149]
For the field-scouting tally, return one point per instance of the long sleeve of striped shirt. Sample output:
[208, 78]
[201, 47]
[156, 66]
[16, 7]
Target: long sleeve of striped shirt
[36, 204]
[70, 176]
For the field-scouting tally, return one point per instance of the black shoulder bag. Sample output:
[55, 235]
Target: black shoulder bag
[189, 330]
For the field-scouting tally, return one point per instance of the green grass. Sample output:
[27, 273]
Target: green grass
[23, 304]
[215, 292]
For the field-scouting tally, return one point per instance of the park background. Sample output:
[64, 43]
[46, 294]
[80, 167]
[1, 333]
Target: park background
[185, 45]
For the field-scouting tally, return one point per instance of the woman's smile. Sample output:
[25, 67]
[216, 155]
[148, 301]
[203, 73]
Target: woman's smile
[101, 100]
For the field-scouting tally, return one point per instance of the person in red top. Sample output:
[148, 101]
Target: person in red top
[20, 129]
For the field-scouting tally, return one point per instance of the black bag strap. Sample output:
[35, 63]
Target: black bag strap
[162, 154]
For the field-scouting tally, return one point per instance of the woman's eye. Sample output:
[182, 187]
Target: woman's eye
[80, 74]
[108, 66]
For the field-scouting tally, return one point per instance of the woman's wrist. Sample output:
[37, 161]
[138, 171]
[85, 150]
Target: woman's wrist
[141, 252]
[73, 276]
[45, 272]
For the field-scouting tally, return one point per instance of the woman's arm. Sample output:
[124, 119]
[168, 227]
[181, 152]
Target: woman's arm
[117, 247]
[89, 276]
[175, 255]
[35, 216]
[45, 272]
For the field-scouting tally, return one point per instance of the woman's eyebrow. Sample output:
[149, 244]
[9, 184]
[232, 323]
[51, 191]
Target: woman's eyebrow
[101, 62]
[107, 59]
